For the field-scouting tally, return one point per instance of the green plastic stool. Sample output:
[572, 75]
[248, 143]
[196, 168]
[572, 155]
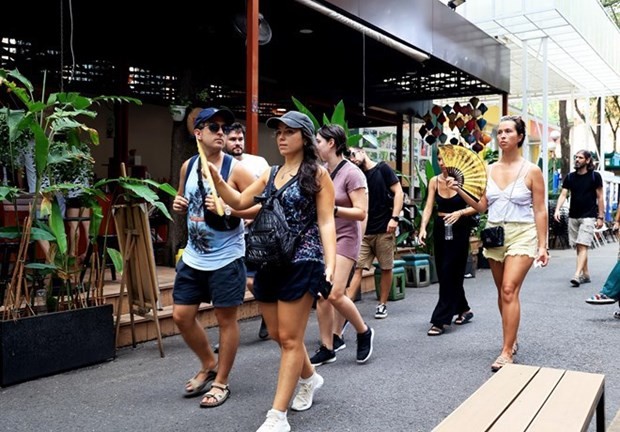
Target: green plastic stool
[397, 291]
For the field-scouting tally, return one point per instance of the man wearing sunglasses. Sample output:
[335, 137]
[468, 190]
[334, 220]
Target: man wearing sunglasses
[212, 267]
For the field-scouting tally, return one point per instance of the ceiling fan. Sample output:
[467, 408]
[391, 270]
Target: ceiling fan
[264, 30]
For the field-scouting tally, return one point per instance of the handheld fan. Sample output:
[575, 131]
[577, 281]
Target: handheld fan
[466, 167]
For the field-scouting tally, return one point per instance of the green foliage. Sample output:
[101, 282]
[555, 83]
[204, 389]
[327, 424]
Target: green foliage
[62, 153]
[424, 180]
[338, 118]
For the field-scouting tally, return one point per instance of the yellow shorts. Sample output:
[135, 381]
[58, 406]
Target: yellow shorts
[519, 239]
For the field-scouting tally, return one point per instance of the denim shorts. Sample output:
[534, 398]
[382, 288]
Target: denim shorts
[224, 287]
[289, 282]
[520, 238]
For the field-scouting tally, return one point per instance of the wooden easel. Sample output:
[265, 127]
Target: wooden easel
[139, 276]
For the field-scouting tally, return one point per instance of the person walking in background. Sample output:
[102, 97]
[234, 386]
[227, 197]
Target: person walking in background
[611, 289]
[235, 146]
[385, 201]
[211, 268]
[349, 212]
[515, 199]
[77, 211]
[285, 293]
[450, 253]
[586, 210]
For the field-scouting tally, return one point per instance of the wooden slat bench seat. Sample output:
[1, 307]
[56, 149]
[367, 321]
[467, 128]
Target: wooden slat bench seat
[534, 399]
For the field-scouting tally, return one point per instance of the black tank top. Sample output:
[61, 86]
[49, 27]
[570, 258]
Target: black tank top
[449, 205]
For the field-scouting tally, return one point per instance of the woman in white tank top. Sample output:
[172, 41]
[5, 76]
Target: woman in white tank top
[515, 198]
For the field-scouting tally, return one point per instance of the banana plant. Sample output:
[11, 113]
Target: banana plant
[61, 137]
[337, 118]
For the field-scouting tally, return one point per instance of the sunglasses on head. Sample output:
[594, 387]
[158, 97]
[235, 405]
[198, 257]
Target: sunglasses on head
[214, 128]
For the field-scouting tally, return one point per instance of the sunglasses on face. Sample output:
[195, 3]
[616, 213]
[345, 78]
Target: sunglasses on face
[214, 128]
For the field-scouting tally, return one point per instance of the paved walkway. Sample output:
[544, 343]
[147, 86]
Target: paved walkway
[411, 383]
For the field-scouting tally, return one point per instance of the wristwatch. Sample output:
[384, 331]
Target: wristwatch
[396, 218]
[227, 211]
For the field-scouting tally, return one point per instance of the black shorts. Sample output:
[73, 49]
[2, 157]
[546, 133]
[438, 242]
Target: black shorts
[75, 202]
[288, 283]
[225, 287]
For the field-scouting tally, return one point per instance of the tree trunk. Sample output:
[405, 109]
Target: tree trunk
[595, 132]
[183, 147]
[564, 139]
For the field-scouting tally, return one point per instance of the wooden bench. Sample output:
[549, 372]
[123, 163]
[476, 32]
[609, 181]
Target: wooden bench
[530, 398]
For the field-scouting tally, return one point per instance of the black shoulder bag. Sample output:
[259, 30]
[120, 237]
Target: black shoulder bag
[215, 221]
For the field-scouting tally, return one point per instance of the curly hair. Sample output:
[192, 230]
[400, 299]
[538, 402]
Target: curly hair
[309, 165]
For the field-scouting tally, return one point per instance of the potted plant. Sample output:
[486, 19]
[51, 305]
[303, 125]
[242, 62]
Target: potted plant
[178, 112]
[78, 328]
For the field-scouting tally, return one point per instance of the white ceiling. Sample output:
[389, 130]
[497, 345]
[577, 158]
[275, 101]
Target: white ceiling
[583, 44]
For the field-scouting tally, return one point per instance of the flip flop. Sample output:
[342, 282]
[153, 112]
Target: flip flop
[197, 386]
[220, 398]
[464, 318]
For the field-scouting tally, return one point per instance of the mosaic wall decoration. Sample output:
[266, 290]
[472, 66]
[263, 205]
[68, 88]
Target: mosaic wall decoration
[460, 124]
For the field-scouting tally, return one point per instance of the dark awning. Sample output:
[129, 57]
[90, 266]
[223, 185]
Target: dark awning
[199, 40]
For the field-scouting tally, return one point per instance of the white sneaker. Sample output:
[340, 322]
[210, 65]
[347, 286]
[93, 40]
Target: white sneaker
[275, 422]
[303, 399]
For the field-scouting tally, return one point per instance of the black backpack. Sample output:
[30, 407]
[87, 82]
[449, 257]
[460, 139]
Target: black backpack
[270, 240]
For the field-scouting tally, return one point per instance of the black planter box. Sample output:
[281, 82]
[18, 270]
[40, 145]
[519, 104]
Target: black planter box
[42, 345]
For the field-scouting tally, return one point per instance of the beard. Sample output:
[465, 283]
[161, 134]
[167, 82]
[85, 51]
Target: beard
[236, 151]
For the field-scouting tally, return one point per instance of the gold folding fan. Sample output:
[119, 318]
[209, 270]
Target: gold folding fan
[466, 167]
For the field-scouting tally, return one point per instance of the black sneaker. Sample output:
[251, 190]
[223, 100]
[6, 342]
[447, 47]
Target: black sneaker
[262, 332]
[339, 343]
[323, 356]
[381, 311]
[364, 345]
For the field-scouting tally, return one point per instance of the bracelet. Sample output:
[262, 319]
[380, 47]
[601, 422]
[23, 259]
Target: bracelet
[600, 217]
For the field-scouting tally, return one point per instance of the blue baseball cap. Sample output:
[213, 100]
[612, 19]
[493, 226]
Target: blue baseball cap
[207, 113]
[293, 119]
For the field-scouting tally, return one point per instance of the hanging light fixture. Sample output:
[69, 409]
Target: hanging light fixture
[453, 4]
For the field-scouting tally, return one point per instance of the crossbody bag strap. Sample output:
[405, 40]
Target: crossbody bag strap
[335, 171]
[281, 190]
[513, 186]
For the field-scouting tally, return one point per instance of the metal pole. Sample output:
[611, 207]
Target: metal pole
[544, 135]
[524, 98]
